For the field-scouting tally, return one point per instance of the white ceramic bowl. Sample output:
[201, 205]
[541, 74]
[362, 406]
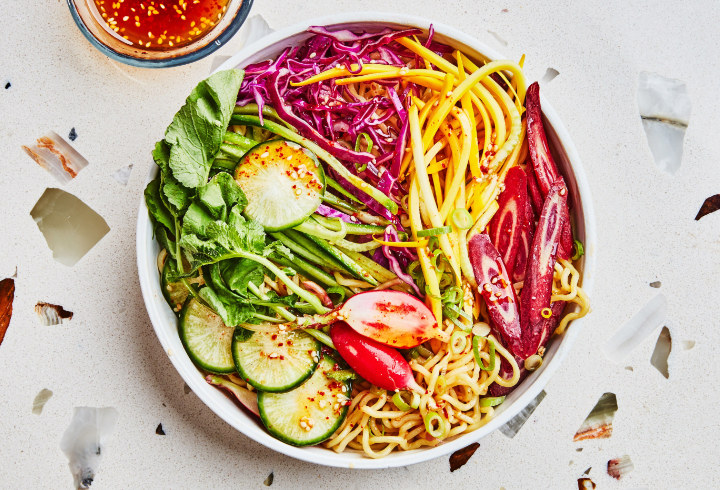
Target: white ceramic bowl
[165, 322]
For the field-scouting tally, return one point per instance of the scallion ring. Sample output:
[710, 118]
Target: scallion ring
[440, 230]
[491, 401]
[546, 312]
[579, 250]
[481, 329]
[399, 402]
[476, 353]
[462, 219]
[533, 362]
[431, 418]
[368, 142]
[458, 342]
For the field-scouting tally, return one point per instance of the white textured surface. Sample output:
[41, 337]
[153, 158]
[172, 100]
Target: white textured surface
[108, 355]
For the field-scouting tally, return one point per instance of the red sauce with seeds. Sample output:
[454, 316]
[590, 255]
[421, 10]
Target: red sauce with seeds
[160, 25]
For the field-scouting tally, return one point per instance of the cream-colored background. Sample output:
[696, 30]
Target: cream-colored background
[108, 354]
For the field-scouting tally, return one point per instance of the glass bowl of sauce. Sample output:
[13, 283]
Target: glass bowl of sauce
[158, 33]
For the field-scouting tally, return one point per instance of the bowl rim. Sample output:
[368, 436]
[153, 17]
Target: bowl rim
[228, 412]
[212, 46]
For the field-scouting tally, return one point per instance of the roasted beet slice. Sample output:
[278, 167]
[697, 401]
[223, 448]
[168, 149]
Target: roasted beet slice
[536, 292]
[506, 226]
[543, 164]
[497, 290]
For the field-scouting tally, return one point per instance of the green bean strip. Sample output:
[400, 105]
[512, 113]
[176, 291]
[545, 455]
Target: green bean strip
[232, 150]
[328, 260]
[338, 203]
[349, 264]
[333, 184]
[237, 139]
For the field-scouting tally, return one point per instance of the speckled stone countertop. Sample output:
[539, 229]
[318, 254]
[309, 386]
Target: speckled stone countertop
[108, 355]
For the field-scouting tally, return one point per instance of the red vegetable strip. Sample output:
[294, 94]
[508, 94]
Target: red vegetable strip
[544, 166]
[534, 191]
[537, 289]
[565, 248]
[379, 364]
[506, 226]
[497, 290]
[526, 238]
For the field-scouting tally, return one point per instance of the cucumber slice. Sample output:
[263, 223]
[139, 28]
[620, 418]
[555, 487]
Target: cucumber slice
[175, 292]
[206, 338]
[284, 184]
[275, 361]
[310, 413]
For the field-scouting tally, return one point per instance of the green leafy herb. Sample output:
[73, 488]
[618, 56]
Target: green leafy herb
[197, 130]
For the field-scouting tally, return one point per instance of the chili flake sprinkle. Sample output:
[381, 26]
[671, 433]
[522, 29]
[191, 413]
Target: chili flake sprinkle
[160, 25]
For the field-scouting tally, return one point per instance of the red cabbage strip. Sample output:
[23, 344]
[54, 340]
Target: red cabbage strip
[329, 212]
[392, 236]
[360, 49]
[285, 112]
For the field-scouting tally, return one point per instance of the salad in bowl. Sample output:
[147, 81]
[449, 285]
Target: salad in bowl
[365, 238]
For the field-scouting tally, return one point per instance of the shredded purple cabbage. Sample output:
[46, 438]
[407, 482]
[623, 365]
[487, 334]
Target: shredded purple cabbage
[334, 116]
[329, 212]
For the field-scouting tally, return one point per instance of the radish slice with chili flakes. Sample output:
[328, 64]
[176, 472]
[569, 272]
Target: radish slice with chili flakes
[377, 363]
[390, 317]
[497, 290]
[537, 290]
[543, 164]
[506, 227]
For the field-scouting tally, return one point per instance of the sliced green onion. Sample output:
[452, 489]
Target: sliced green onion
[460, 312]
[491, 401]
[457, 323]
[533, 362]
[322, 337]
[456, 348]
[413, 353]
[342, 375]
[399, 402]
[476, 353]
[433, 417]
[461, 219]
[424, 351]
[441, 230]
[579, 250]
[481, 329]
[368, 142]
